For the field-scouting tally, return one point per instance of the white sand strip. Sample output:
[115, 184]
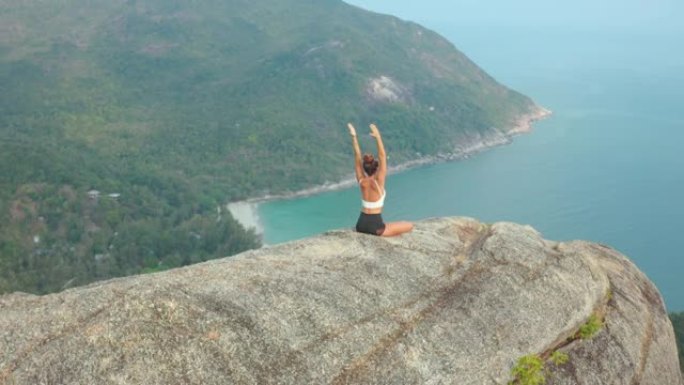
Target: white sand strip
[247, 213]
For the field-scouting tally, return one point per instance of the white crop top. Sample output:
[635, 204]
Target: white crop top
[377, 204]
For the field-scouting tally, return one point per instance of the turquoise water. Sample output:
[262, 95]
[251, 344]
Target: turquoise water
[606, 167]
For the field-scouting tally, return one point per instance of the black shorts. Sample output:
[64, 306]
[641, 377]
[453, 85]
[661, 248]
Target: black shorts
[370, 224]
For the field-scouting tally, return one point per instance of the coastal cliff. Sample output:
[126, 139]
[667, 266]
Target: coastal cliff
[454, 302]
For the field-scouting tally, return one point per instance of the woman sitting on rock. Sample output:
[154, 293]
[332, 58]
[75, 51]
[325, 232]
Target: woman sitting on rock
[371, 173]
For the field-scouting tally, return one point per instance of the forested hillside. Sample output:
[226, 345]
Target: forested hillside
[165, 110]
[678, 323]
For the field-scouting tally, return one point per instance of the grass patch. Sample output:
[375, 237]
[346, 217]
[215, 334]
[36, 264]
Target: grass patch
[529, 370]
[559, 358]
[590, 328]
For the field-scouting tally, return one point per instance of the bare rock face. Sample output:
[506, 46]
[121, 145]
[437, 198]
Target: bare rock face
[454, 302]
[385, 89]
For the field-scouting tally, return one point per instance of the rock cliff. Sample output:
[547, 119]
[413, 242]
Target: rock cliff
[454, 302]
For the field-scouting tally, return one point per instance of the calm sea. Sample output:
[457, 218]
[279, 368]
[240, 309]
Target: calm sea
[608, 166]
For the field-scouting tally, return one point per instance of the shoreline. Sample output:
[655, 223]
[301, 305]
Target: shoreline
[246, 212]
[247, 215]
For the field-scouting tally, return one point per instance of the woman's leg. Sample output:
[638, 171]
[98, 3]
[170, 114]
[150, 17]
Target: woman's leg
[396, 228]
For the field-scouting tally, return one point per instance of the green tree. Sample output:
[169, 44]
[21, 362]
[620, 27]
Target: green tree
[678, 324]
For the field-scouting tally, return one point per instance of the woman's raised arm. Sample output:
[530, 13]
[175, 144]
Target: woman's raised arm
[358, 167]
[382, 156]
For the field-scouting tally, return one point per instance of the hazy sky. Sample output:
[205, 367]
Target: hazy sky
[576, 14]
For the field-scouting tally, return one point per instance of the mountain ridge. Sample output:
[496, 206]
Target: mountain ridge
[176, 109]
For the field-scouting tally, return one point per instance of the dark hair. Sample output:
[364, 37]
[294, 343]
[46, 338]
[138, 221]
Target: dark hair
[370, 164]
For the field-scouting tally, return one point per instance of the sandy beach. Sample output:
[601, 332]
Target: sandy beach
[247, 212]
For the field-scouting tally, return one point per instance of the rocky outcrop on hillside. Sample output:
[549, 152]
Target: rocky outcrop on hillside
[454, 302]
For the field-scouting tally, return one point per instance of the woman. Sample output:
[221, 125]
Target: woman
[371, 173]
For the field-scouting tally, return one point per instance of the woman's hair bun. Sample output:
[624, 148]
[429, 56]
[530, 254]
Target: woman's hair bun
[370, 164]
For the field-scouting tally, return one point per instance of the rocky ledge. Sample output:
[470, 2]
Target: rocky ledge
[454, 302]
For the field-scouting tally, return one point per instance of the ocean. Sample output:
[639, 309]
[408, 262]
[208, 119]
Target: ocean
[607, 166]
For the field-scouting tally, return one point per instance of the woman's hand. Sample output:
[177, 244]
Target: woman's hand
[374, 131]
[352, 130]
